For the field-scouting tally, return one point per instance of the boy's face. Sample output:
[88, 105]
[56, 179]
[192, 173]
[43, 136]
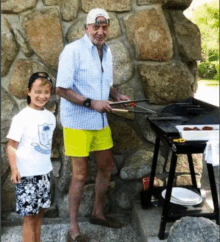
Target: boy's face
[39, 94]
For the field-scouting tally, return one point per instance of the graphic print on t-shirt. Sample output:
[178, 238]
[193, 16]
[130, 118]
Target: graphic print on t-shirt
[45, 138]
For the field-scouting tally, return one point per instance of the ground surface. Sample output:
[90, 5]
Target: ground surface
[208, 93]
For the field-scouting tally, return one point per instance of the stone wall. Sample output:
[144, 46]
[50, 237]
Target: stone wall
[155, 50]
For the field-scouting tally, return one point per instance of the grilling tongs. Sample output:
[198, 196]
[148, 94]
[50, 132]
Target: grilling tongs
[132, 103]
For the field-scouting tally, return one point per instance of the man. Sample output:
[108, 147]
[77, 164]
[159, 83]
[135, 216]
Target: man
[84, 82]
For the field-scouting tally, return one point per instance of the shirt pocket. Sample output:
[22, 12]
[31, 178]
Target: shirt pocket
[88, 72]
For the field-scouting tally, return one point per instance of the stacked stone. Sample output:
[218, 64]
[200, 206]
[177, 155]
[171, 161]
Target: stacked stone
[155, 49]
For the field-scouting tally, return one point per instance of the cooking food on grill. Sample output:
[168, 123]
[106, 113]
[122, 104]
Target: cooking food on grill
[196, 128]
[207, 128]
[187, 128]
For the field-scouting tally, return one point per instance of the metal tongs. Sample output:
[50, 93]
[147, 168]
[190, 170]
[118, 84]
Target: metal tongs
[132, 103]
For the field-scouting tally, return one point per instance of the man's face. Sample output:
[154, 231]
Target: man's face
[98, 32]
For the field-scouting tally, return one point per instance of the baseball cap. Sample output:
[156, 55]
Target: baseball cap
[95, 13]
[34, 77]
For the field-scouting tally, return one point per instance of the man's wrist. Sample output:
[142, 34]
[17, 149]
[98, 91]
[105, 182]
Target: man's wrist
[87, 103]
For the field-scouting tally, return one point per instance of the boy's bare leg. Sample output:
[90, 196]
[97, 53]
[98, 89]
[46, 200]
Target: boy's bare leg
[79, 177]
[38, 225]
[105, 167]
[29, 229]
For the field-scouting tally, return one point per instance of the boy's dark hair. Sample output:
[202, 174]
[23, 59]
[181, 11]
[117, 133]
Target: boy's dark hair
[36, 76]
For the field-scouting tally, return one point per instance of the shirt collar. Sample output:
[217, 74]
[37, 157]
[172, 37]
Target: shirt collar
[90, 44]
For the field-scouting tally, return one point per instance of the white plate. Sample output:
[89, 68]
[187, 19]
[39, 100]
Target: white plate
[184, 194]
[183, 202]
[198, 134]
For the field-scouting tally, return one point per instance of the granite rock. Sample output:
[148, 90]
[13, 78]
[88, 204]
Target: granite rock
[183, 164]
[185, 180]
[5, 168]
[7, 195]
[146, 129]
[194, 229]
[51, 2]
[23, 43]
[69, 9]
[125, 139]
[119, 161]
[111, 5]
[177, 4]
[166, 82]
[18, 6]
[127, 192]
[187, 35]
[149, 2]
[123, 66]
[65, 172]
[56, 168]
[44, 33]
[8, 111]
[149, 26]
[9, 47]
[170, 4]
[139, 165]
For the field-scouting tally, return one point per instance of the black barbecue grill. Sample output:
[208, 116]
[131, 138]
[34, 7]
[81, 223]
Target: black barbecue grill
[185, 112]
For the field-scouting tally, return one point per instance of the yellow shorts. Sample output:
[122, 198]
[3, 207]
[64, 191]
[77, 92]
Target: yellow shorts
[78, 143]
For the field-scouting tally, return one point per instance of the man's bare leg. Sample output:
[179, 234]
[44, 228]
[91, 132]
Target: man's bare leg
[79, 176]
[105, 167]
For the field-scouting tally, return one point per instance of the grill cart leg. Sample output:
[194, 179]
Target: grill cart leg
[192, 171]
[153, 168]
[166, 205]
[214, 191]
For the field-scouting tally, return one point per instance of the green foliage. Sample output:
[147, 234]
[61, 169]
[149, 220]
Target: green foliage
[209, 70]
[206, 17]
[216, 76]
[213, 55]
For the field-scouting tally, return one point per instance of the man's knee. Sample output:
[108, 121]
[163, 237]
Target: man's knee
[80, 168]
[107, 166]
[80, 177]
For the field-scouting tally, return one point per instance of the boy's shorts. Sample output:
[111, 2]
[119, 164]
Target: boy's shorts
[32, 193]
[78, 143]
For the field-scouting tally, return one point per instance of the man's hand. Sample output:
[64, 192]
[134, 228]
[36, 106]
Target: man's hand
[118, 97]
[122, 97]
[101, 106]
[15, 176]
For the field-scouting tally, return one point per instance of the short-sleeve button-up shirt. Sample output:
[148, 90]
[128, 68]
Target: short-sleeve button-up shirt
[81, 70]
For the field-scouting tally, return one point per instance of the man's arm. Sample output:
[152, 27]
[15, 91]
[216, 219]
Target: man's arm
[72, 96]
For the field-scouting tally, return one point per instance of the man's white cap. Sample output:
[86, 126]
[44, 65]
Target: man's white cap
[95, 13]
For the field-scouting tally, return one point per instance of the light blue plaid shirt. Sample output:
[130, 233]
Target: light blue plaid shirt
[81, 70]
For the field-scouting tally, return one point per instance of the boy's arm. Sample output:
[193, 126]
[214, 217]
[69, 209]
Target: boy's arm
[11, 152]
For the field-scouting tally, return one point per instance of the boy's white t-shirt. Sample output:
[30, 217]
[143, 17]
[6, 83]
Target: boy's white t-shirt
[33, 129]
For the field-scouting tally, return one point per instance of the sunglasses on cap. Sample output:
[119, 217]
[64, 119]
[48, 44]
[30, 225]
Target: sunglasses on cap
[36, 76]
